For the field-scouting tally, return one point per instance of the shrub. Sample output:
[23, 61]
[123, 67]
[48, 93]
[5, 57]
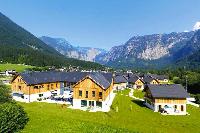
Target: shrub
[12, 117]
[5, 94]
[197, 97]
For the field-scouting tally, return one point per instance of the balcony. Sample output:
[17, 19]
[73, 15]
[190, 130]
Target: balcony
[18, 92]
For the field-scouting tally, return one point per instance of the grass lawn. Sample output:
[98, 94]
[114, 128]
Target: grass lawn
[131, 117]
[138, 94]
[18, 68]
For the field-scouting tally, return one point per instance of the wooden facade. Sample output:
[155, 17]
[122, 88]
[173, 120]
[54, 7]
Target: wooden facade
[157, 104]
[119, 86]
[87, 89]
[170, 100]
[20, 86]
[154, 81]
[139, 84]
[164, 100]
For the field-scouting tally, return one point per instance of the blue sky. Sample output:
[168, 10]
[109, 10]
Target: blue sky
[101, 23]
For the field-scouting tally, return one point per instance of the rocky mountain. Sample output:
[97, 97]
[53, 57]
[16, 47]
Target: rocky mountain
[17, 45]
[65, 48]
[150, 51]
[192, 50]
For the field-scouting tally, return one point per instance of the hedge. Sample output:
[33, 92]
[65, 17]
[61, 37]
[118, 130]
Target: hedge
[12, 117]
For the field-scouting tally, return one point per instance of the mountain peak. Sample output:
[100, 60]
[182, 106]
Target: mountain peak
[65, 48]
[196, 26]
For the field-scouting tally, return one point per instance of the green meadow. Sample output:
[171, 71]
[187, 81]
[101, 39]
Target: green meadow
[132, 116]
[17, 67]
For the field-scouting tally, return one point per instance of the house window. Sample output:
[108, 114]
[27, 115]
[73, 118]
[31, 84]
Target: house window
[139, 86]
[19, 87]
[182, 108]
[51, 86]
[83, 103]
[175, 106]
[65, 84]
[80, 93]
[47, 87]
[93, 93]
[99, 104]
[36, 87]
[100, 95]
[86, 94]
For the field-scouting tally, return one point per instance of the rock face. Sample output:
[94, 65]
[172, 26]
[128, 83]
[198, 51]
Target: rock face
[148, 50]
[154, 53]
[65, 48]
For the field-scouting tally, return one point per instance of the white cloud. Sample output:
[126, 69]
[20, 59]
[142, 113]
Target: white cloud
[196, 26]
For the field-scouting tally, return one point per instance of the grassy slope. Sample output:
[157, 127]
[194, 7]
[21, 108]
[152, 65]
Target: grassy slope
[138, 93]
[18, 68]
[53, 118]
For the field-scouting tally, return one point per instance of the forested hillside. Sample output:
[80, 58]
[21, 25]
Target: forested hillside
[20, 46]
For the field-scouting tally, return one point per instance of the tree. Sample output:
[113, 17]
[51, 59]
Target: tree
[5, 94]
[12, 117]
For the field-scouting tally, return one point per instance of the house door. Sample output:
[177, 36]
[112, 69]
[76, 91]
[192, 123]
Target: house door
[91, 103]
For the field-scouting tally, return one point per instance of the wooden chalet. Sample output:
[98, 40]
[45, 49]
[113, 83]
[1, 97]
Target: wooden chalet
[160, 78]
[150, 80]
[94, 91]
[136, 82]
[120, 82]
[164, 97]
[33, 85]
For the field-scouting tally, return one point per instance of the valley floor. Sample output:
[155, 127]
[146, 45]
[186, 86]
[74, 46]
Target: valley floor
[132, 116]
[17, 67]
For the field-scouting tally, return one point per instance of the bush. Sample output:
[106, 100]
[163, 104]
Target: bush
[197, 97]
[12, 117]
[5, 94]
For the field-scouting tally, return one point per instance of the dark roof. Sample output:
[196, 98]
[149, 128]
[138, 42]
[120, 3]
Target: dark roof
[120, 79]
[100, 79]
[159, 77]
[108, 76]
[133, 79]
[31, 78]
[148, 79]
[168, 91]
[51, 76]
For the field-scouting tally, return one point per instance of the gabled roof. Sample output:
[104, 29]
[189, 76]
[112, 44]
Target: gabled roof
[133, 79]
[108, 76]
[159, 77]
[32, 78]
[120, 79]
[148, 79]
[100, 79]
[168, 91]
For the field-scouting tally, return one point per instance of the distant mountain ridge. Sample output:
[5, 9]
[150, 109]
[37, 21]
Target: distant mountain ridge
[148, 51]
[151, 51]
[19, 46]
[65, 48]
